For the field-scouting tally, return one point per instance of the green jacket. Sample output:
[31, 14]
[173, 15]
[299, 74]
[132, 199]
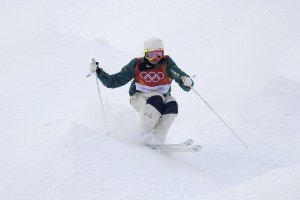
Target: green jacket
[127, 73]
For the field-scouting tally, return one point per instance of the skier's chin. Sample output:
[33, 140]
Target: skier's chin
[154, 61]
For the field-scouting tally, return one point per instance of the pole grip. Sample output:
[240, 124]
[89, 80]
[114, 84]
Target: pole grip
[93, 61]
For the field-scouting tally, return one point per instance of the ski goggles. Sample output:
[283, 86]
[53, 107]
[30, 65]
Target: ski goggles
[157, 54]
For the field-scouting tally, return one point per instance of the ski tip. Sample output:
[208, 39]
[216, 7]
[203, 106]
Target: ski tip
[189, 142]
[197, 148]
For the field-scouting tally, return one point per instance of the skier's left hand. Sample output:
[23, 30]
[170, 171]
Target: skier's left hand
[187, 81]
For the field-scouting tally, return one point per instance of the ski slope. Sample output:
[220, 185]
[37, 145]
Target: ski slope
[53, 140]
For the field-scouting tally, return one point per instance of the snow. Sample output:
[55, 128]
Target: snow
[54, 144]
[280, 183]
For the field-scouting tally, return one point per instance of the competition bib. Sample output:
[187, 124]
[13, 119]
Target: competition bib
[164, 89]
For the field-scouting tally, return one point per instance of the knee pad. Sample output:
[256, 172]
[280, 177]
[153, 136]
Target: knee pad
[170, 108]
[157, 102]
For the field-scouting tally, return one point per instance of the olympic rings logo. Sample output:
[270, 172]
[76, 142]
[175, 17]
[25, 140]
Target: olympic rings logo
[152, 76]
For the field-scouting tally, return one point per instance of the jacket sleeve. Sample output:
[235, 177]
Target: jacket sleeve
[119, 79]
[176, 73]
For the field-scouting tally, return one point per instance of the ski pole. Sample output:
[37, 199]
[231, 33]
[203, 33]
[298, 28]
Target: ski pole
[220, 118]
[100, 99]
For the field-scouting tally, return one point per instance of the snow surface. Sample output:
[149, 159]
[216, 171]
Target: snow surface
[53, 142]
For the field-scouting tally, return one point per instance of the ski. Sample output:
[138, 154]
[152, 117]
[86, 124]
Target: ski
[186, 143]
[195, 148]
[185, 146]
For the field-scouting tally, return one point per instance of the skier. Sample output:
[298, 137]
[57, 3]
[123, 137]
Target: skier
[150, 89]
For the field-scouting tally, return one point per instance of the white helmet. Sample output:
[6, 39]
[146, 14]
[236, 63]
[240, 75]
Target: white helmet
[153, 44]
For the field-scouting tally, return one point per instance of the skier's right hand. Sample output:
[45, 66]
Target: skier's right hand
[94, 66]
